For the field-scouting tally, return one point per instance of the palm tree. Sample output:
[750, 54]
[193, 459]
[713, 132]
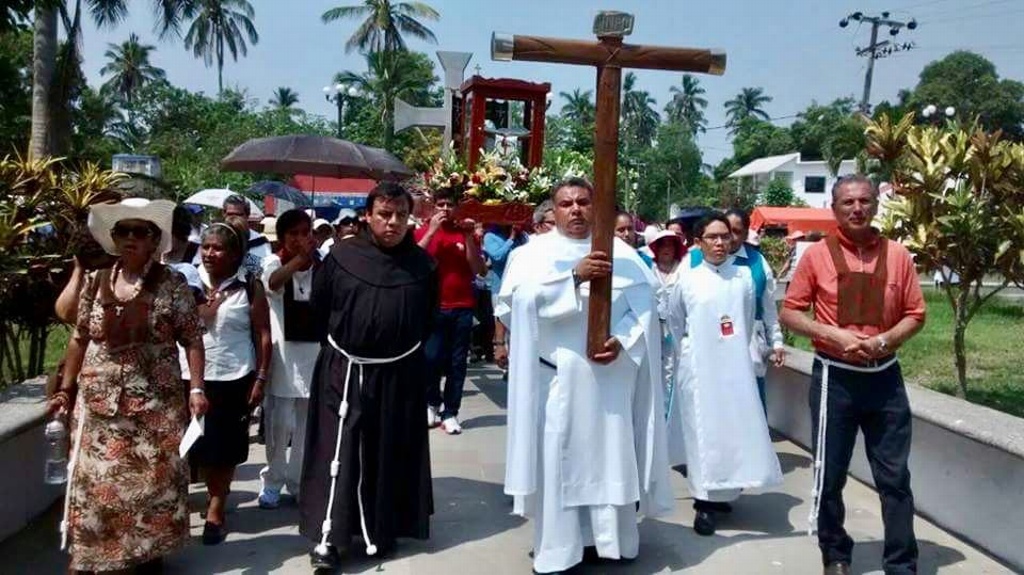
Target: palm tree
[129, 67]
[220, 25]
[284, 98]
[639, 118]
[688, 104]
[106, 14]
[383, 24]
[579, 106]
[747, 104]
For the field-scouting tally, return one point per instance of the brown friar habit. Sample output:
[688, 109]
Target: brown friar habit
[373, 303]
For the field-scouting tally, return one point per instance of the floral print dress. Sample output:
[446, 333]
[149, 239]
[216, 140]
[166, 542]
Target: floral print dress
[128, 489]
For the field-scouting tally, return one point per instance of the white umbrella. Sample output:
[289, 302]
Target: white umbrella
[215, 197]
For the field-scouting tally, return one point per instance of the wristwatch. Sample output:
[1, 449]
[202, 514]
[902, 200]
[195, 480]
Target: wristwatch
[883, 346]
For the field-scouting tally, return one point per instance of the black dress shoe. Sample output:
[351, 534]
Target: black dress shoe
[704, 523]
[590, 555]
[837, 568]
[213, 534]
[327, 562]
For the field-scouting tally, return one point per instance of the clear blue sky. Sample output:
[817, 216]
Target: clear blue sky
[794, 49]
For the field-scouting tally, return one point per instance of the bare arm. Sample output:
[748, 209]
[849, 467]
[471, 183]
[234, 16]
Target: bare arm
[285, 272]
[476, 262]
[260, 317]
[66, 307]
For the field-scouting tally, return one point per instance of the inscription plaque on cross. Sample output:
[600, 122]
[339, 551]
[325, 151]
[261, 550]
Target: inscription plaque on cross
[609, 55]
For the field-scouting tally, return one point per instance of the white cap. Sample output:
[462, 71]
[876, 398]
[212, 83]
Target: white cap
[345, 213]
[650, 232]
[320, 222]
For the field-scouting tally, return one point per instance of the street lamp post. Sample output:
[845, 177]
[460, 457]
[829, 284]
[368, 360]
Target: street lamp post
[931, 113]
[339, 94]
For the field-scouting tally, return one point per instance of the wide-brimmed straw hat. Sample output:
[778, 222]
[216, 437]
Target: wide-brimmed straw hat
[103, 217]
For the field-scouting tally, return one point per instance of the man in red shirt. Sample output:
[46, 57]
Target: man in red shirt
[867, 302]
[453, 245]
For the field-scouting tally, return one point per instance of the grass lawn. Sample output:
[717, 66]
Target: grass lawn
[995, 350]
[56, 344]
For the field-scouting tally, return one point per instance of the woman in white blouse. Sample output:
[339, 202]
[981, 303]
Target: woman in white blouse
[238, 353]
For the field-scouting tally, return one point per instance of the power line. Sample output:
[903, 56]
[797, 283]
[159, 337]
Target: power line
[773, 119]
[973, 17]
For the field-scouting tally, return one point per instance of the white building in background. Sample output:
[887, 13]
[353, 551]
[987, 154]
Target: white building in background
[810, 181]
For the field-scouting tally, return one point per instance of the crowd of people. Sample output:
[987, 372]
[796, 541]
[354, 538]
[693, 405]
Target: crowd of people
[353, 338]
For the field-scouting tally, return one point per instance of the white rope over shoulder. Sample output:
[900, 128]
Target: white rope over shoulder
[819, 452]
[353, 360]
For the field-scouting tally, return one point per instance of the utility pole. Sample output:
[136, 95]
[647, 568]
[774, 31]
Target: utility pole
[872, 50]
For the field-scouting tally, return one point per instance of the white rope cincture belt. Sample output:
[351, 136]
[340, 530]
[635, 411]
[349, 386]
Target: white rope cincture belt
[819, 452]
[371, 549]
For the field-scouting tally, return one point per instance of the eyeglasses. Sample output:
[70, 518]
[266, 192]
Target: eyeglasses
[138, 231]
[548, 222]
[713, 238]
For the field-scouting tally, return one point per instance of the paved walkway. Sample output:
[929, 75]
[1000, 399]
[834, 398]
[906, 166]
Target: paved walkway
[474, 533]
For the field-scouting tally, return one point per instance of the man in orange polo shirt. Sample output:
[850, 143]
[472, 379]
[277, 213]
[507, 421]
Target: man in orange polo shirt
[867, 302]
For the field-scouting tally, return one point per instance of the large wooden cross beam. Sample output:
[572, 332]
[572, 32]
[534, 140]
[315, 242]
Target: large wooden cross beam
[609, 55]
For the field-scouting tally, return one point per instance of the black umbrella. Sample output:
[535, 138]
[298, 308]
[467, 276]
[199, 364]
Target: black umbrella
[282, 191]
[315, 156]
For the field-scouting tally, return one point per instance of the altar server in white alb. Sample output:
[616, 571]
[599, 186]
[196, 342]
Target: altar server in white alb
[725, 435]
[586, 436]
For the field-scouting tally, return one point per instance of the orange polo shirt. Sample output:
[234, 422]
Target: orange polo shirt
[815, 284]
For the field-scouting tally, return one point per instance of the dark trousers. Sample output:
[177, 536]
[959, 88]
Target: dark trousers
[483, 333]
[876, 404]
[447, 352]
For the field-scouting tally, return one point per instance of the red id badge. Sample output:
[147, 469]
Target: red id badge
[726, 326]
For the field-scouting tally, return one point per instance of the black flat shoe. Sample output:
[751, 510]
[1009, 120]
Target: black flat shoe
[213, 534]
[704, 523]
[328, 562]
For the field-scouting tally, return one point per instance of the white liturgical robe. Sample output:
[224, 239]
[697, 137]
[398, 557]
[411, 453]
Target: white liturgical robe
[585, 441]
[725, 434]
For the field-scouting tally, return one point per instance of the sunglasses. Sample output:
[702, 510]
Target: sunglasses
[347, 221]
[138, 231]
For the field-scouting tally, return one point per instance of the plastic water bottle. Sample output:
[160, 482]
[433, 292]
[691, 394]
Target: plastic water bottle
[56, 452]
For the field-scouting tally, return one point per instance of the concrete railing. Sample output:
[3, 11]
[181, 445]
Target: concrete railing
[23, 495]
[966, 461]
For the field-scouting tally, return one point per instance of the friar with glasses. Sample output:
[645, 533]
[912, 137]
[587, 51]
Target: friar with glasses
[724, 433]
[366, 469]
[867, 302]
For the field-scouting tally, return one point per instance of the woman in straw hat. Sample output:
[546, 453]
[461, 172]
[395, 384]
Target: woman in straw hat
[126, 498]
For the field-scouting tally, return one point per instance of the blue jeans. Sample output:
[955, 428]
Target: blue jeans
[447, 352]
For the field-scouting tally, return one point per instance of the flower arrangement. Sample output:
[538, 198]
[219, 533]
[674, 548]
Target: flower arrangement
[499, 178]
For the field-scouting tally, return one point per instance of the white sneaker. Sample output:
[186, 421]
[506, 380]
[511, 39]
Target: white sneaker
[451, 426]
[433, 419]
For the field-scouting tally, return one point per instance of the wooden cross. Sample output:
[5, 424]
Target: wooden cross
[609, 55]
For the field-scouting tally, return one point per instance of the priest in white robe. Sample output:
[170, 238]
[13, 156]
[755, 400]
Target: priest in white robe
[586, 436]
[725, 435]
